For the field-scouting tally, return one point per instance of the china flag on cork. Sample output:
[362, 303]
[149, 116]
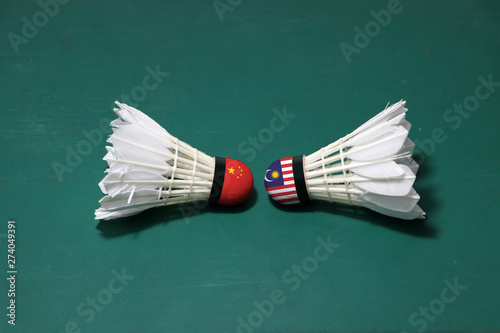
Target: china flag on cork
[233, 182]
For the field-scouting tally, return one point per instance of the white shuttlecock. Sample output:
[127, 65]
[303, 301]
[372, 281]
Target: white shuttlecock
[148, 167]
[371, 167]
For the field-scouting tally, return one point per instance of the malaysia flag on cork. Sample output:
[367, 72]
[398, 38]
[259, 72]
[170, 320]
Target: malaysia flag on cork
[280, 183]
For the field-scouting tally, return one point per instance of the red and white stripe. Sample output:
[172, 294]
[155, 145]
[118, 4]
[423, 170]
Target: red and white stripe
[287, 193]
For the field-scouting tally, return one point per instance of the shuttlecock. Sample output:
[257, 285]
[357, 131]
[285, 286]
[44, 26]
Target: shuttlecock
[371, 167]
[148, 167]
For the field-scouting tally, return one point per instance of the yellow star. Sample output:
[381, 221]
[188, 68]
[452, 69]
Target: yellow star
[231, 170]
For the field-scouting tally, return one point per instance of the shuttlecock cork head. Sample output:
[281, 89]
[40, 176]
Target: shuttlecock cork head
[233, 182]
[284, 181]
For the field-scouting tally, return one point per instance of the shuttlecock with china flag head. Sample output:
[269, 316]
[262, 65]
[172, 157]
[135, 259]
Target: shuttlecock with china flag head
[148, 167]
[371, 167]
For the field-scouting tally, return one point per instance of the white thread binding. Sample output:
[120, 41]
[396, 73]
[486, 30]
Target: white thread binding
[325, 179]
[194, 173]
[174, 167]
[341, 153]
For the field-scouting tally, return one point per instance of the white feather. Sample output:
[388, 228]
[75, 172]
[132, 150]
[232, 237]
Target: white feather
[393, 186]
[379, 170]
[383, 117]
[117, 182]
[148, 167]
[416, 213]
[375, 132]
[407, 148]
[119, 206]
[410, 162]
[388, 143]
[133, 116]
[413, 167]
[404, 203]
[371, 167]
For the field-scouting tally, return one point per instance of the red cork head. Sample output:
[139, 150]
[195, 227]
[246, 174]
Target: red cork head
[238, 183]
[233, 182]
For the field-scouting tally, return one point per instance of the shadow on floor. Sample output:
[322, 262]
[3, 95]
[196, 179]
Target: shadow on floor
[162, 215]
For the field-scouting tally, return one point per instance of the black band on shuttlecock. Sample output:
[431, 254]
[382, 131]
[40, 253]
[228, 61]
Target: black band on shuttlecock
[219, 173]
[299, 178]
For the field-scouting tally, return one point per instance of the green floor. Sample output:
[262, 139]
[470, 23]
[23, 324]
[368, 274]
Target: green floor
[216, 74]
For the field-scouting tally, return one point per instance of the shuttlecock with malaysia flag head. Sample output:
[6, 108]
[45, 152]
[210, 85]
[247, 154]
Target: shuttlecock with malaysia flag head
[371, 167]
